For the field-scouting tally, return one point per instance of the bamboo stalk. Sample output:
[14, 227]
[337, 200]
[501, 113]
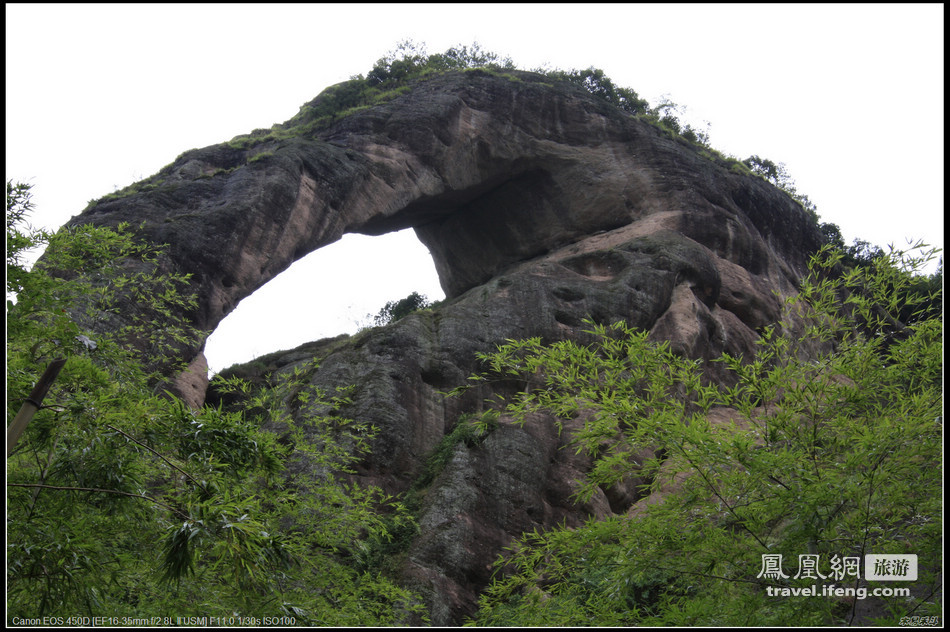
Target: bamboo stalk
[33, 403]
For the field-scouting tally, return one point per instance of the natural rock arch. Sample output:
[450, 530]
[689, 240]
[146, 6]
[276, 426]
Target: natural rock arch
[489, 171]
[542, 206]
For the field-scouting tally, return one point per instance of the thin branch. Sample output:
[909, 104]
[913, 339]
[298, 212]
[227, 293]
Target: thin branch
[43, 472]
[178, 512]
[924, 600]
[159, 455]
[711, 487]
[867, 520]
[775, 480]
[723, 578]
[727, 579]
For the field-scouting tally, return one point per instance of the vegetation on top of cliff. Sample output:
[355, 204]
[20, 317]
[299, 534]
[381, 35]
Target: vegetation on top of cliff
[396, 310]
[394, 73]
[810, 459]
[390, 77]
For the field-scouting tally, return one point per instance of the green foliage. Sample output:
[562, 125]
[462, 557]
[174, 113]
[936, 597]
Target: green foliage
[828, 442]
[53, 307]
[832, 234]
[922, 295]
[774, 173]
[778, 175]
[395, 310]
[123, 502]
[21, 237]
[389, 552]
[410, 60]
[264, 155]
[595, 81]
[469, 430]
[666, 115]
[388, 79]
[326, 525]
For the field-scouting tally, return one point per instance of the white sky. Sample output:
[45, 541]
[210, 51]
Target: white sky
[849, 97]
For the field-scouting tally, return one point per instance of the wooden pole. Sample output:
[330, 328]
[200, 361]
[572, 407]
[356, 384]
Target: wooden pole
[33, 403]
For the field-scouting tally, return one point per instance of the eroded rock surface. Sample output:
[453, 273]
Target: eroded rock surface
[489, 171]
[542, 206]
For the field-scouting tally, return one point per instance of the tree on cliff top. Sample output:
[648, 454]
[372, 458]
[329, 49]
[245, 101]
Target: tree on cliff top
[395, 310]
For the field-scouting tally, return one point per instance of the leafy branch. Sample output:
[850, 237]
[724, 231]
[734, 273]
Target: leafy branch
[100, 490]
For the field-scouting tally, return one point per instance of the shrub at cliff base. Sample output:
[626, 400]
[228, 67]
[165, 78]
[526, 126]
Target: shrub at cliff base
[828, 455]
[125, 503]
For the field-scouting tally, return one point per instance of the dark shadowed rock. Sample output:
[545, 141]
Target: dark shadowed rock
[542, 206]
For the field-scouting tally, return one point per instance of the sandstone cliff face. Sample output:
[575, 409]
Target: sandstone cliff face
[542, 206]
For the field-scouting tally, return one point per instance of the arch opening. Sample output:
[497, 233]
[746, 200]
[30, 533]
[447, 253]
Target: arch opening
[334, 290]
